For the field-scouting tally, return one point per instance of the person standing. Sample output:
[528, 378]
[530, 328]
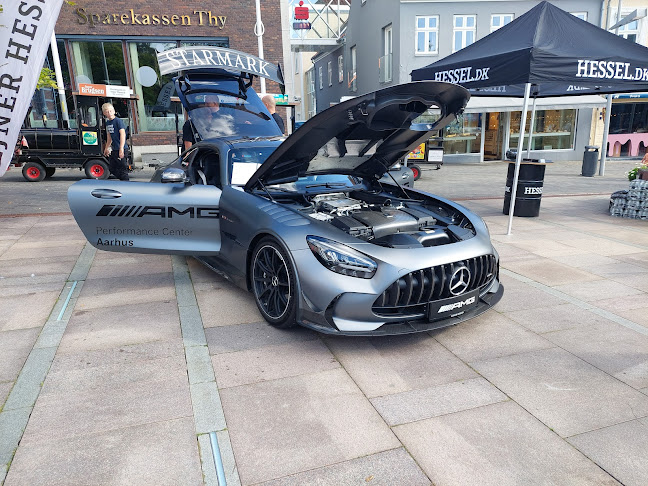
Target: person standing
[115, 143]
[271, 105]
[206, 113]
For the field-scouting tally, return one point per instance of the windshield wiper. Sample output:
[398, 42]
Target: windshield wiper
[328, 185]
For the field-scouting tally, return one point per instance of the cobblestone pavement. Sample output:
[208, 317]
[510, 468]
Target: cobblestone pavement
[135, 369]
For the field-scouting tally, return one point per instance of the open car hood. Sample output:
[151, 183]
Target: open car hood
[363, 136]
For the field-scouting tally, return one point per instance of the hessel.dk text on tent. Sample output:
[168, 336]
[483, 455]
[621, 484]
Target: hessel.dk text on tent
[462, 75]
[610, 70]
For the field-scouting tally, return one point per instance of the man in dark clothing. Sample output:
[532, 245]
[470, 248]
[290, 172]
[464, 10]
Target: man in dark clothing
[271, 105]
[116, 147]
[208, 110]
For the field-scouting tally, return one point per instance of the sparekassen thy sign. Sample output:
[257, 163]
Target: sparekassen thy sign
[205, 57]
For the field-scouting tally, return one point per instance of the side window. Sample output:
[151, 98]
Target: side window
[205, 169]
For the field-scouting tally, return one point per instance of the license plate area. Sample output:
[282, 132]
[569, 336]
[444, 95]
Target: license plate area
[452, 306]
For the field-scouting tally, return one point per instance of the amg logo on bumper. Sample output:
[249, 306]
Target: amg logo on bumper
[159, 211]
[456, 305]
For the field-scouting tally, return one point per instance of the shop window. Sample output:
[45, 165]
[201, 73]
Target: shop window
[45, 109]
[463, 136]
[102, 63]
[155, 111]
[553, 130]
[99, 63]
[427, 34]
[465, 28]
[629, 118]
[500, 20]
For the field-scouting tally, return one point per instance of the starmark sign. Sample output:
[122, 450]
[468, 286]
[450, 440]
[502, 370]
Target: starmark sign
[202, 57]
[588, 68]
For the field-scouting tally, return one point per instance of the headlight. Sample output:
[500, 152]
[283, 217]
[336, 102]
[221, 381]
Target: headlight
[340, 258]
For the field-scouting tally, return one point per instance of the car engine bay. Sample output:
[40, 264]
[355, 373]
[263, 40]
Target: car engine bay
[390, 221]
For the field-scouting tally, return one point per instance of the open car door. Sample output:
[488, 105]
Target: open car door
[144, 217]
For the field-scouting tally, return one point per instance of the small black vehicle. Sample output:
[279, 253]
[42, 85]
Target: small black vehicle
[40, 151]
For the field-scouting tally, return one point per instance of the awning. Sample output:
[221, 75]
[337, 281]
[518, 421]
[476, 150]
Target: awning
[482, 104]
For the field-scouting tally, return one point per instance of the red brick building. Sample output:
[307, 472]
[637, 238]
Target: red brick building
[115, 43]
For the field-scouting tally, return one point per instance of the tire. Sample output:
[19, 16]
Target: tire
[97, 169]
[49, 172]
[416, 170]
[274, 284]
[34, 171]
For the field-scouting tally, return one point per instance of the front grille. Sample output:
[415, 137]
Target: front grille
[410, 294]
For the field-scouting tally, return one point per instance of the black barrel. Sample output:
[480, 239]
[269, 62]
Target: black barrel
[529, 189]
[590, 160]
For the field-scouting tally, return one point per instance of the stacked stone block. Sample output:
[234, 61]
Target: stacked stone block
[632, 203]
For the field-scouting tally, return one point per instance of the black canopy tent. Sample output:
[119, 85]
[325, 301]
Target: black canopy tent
[545, 52]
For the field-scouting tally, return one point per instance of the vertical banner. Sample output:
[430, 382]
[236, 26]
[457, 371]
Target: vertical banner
[25, 32]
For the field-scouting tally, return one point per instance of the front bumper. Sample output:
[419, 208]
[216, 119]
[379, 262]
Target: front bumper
[331, 322]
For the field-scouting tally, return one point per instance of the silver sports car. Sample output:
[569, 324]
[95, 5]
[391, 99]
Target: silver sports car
[305, 224]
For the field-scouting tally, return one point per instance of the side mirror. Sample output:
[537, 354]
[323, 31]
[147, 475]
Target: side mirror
[173, 175]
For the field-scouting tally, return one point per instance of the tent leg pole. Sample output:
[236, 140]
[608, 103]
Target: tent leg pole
[518, 159]
[606, 131]
[482, 144]
[531, 128]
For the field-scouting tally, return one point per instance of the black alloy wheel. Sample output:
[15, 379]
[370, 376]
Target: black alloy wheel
[273, 283]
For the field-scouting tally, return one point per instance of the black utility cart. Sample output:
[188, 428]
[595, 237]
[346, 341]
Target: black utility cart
[42, 150]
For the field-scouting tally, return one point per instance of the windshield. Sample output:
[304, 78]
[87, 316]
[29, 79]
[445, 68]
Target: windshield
[218, 110]
[315, 183]
[243, 162]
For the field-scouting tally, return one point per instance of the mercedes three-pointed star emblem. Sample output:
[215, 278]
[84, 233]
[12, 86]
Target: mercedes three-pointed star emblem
[459, 281]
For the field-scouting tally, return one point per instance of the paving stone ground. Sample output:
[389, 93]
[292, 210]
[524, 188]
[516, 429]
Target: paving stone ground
[153, 359]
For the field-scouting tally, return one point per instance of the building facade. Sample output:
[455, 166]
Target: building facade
[628, 135]
[116, 43]
[385, 40]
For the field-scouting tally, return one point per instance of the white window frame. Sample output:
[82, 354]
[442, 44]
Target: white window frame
[321, 78]
[580, 15]
[353, 80]
[311, 98]
[329, 67]
[340, 69]
[501, 18]
[427, 31]
[463, 30]
[388, 47]
[624, 31]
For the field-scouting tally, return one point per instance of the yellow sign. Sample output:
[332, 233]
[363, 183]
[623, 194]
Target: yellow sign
[418, 153]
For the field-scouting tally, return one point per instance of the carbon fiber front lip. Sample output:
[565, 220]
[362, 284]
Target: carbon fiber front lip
[486, 301]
